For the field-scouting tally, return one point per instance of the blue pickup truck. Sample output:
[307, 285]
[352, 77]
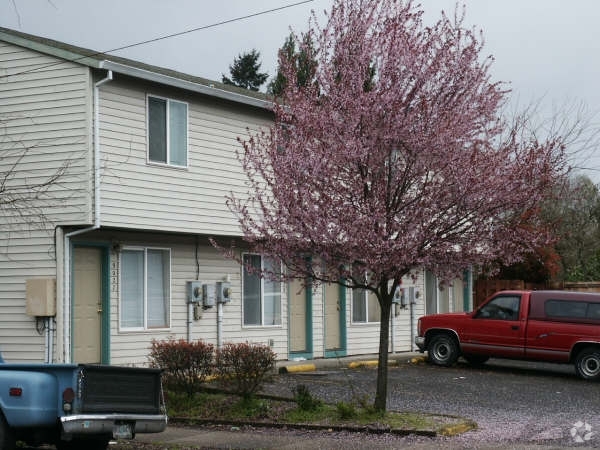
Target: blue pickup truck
[77, 406]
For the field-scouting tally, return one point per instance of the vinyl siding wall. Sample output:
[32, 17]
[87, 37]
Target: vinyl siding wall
[209, 266]
[45, 119]
[132, 347]
[363, 338]
[142, 195]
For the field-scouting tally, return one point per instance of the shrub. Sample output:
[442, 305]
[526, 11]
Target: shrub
[346, 410]
[185, 365]
[305, 400]
[243, 368]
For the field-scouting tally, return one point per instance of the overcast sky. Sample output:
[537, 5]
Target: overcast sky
[545, 49]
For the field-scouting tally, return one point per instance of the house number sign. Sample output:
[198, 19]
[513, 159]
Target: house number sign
[114, 273]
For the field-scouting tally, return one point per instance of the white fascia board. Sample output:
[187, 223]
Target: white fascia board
[184, 84]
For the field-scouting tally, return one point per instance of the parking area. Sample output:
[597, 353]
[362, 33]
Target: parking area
[516, 405]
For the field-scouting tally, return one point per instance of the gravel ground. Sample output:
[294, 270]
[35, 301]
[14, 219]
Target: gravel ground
[516, 405]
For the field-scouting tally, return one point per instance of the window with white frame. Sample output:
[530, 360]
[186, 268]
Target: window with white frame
[365, 307]
[167, 131]
[261, 296]
[145, 288]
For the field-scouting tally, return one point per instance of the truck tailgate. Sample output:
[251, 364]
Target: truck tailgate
[119, 390]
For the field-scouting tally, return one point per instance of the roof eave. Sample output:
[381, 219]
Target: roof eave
[41, 47]
[184, 84]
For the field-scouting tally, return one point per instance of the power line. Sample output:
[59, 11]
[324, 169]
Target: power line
[224, 22]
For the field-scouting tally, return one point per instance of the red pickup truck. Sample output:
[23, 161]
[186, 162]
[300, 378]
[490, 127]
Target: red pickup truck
[551, 326]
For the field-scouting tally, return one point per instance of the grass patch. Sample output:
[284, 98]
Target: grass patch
[337, 416]
[219, 407]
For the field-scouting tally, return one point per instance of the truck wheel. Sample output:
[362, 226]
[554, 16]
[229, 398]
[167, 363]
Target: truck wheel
[7, 437]
[587, 363]
[442, 350]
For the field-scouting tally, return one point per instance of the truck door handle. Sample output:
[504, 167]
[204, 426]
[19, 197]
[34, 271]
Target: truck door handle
[515, 327]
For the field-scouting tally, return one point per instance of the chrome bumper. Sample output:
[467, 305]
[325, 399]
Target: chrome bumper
[420, 342]
[105, 423]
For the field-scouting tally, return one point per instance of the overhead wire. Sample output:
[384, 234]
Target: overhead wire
[160, 38]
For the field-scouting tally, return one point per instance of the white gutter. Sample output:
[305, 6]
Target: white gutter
[67, 237]
[184, 84]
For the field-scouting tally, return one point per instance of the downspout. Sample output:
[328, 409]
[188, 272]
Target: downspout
[219, 325]
[95, 226]
[412, 324]
[392, 324]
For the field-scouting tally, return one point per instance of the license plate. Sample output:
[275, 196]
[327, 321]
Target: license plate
[123, 430]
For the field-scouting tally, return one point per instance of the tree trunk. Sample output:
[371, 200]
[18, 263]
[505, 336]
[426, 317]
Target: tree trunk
[384, 342]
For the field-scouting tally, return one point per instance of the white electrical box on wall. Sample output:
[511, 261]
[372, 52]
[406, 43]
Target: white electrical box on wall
[194, 291]
[223, 291]
[208, 295]
[40, 297]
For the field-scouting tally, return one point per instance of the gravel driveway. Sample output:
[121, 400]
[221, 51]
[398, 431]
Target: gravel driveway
[514, 403]
[517, 405]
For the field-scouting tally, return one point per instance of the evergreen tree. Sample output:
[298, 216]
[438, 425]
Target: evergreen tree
[245, 71]
[302, 60]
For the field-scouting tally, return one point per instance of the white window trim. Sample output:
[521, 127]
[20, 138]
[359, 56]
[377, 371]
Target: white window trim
[168, 137]
[262, 296]
[145, 327]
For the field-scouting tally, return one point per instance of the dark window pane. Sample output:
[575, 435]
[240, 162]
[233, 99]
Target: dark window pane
[252, 291]
[178, 133]
[562, 308]
[157, 129]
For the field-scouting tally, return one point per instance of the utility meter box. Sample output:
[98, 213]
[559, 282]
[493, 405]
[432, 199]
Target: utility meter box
[398, 294]
[208, 295]
[40, 297]
[194, 291]
[223, 291]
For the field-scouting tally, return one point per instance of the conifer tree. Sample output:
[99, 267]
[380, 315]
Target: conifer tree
[245, 71]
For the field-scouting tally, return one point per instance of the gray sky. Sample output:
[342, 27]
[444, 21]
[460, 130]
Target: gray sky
[547, 50]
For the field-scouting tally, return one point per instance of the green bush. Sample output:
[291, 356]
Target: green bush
[346, 410]
[305, 400]
[243, 368]
[185, 365]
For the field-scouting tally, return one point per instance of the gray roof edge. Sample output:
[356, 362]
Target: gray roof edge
[100, 60]
[184, 84]
[37, 45]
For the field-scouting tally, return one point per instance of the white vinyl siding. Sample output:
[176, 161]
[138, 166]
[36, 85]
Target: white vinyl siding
[159, 197]
[190, 259]
[46, 115]
[45, 110]
[24, 255]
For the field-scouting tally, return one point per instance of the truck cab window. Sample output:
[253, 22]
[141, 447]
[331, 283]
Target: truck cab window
[500, 308]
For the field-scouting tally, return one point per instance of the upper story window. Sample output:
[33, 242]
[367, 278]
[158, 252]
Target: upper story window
[167, 131]
[145, 288]
[261, 296]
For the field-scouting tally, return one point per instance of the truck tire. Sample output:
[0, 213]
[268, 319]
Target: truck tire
[7, 437]
[442, 350]
[587, 363]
